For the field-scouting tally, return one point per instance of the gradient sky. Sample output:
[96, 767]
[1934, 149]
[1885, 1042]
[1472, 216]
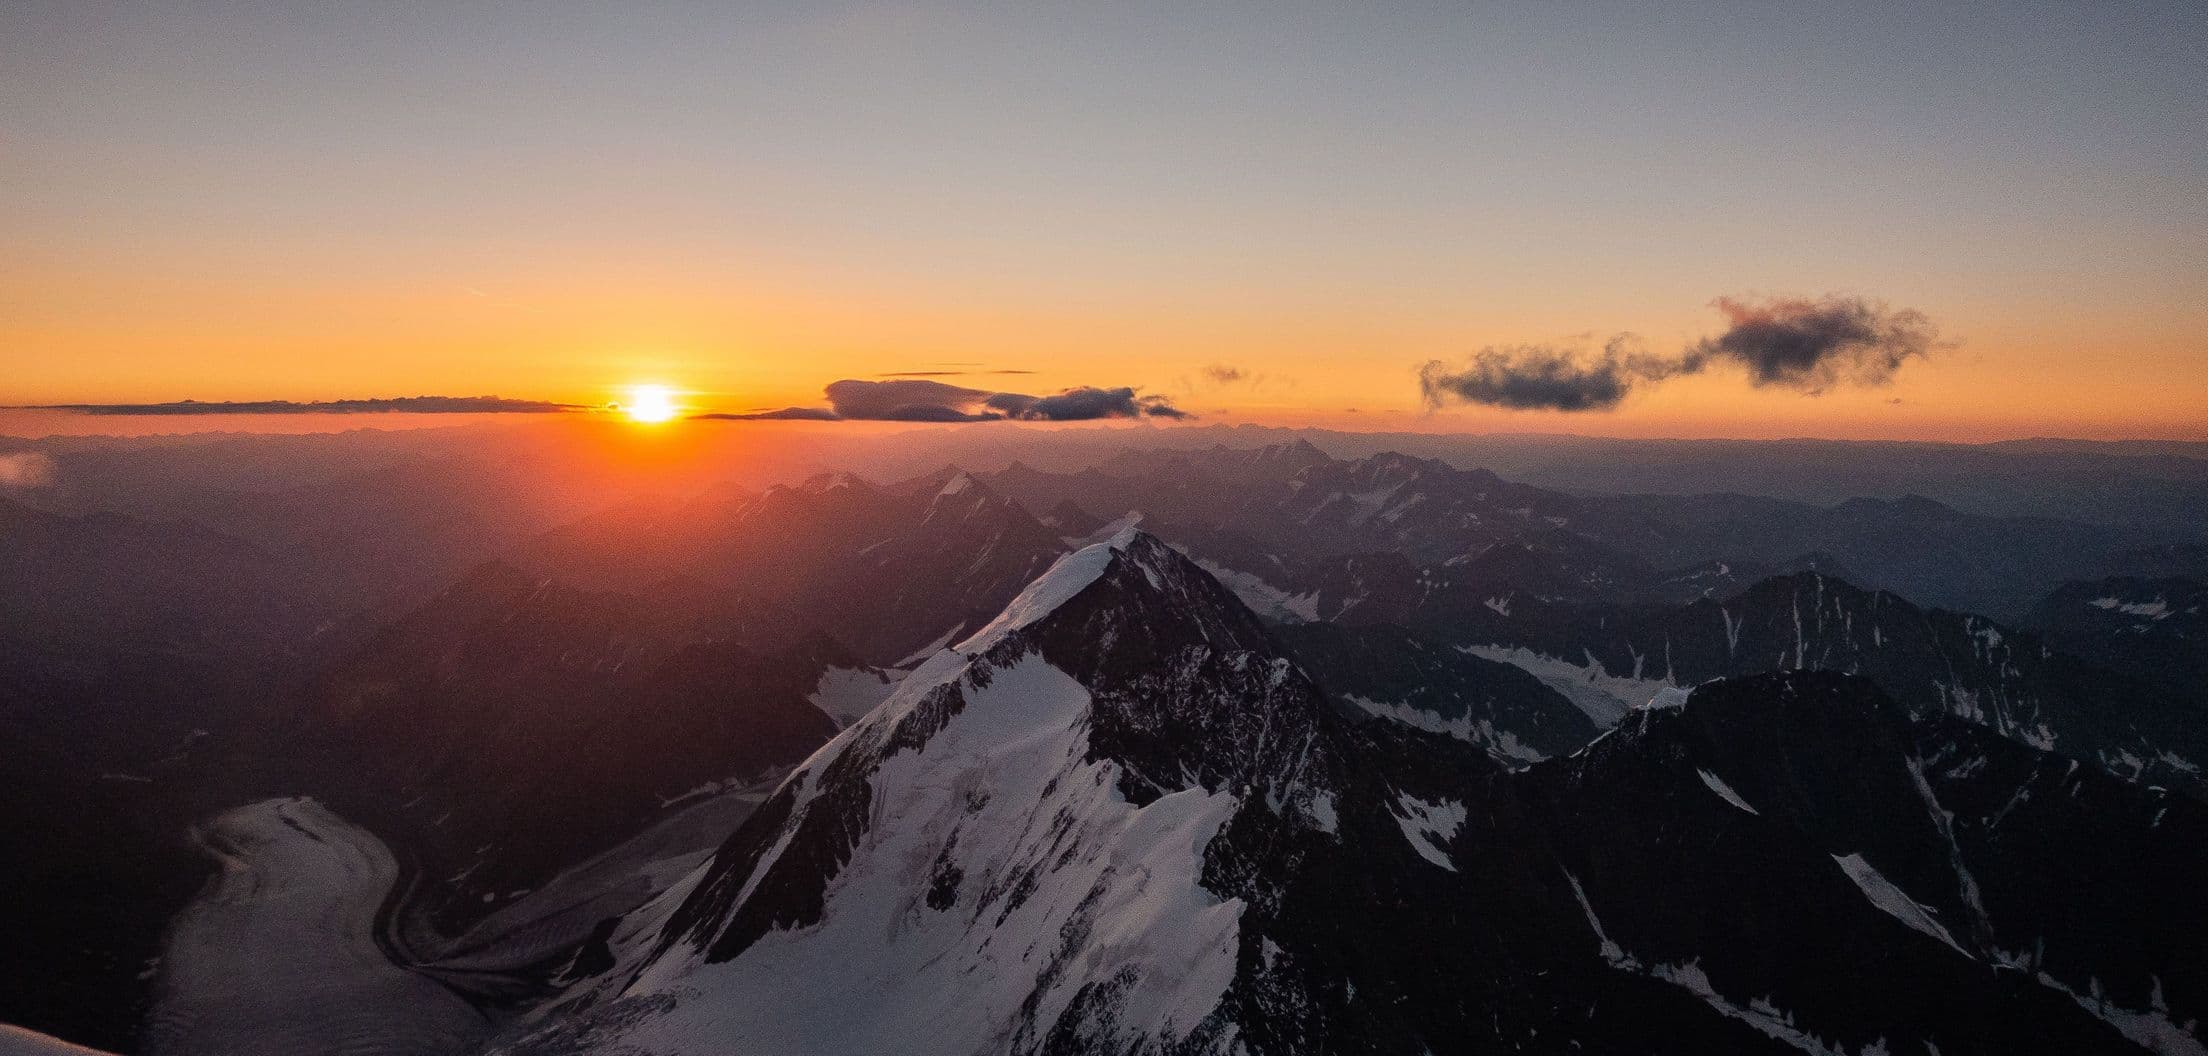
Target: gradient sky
[262, 201]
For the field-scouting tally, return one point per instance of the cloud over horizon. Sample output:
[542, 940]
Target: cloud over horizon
[1809, 345]
[1815, 345]
[916, 399]
[390, 405]
[1543, 377]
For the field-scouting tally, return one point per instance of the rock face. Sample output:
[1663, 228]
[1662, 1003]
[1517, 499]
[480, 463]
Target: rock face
[1123, 818]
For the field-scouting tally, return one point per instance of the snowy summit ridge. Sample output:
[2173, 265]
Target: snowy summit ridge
[1025, 811]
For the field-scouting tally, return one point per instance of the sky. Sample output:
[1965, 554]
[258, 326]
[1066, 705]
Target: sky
[1273, 213]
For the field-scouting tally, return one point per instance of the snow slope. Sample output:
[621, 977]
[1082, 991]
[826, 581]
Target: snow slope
[987, 837]
[869, 977]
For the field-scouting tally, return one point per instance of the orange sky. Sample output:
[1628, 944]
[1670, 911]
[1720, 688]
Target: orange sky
[201, 207]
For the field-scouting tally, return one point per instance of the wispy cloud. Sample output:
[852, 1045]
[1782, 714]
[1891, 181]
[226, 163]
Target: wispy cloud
[391, 405]
[916, 399]
[1809, 345]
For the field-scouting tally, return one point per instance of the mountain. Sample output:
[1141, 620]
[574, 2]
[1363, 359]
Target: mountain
[1935, 662]
[2155, 630]
[514, 725]
[1796, 854]
[1122, 818]
[1053, 777]
[1283, 510]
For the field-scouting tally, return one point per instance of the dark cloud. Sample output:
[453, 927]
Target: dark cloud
[401, 404]
[1809, 345]
[1544, 377]
[1083, 404]
[1816, 345]
[911, 399]
[907, 400]
[1222, 374]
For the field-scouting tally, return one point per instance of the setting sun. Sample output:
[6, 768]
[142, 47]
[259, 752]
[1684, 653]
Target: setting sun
[650, 403]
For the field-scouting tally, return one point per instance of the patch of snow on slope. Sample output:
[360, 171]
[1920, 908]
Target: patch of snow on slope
[2151, 1029]
[1604, 697]
[1429, 827]
[1892, 900]
[1323, 814]
[1759, 1013]
[998, 856]
[1265, 599]
[2155, 609]
[1725, 791]
[1669, 698]
[1502, 744]
[848, 693]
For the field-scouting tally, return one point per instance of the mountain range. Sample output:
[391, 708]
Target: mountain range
[1233, 750]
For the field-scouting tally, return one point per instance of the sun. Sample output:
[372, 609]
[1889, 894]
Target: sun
[650, 403]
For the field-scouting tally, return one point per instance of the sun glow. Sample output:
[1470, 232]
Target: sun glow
[650, 403]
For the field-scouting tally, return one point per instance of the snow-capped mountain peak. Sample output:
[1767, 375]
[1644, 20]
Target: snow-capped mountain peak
[1032, 808]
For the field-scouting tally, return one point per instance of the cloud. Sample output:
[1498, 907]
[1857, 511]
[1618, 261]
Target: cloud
[401, 404]
[1815, 345]
[907, 400]
[27, 469]
[1222, 374]
[1083, 404]
[1544, 377]
[1809, 345]
[914, 399]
